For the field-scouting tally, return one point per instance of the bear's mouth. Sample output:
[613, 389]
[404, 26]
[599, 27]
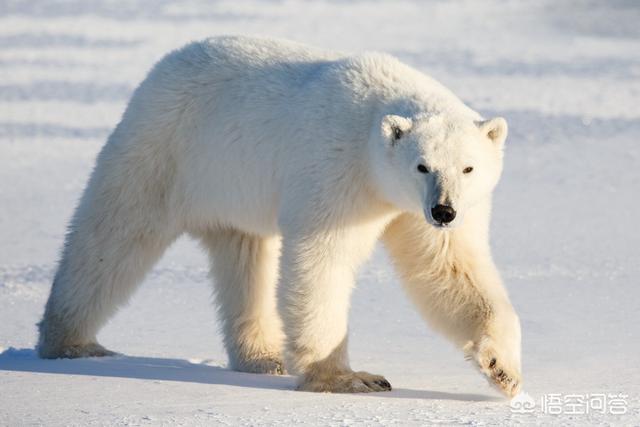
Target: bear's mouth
[441, 225]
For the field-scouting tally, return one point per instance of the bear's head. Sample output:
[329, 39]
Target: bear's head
[437, 165]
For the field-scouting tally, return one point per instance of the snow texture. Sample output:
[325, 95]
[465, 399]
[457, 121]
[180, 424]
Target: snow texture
[566, 75]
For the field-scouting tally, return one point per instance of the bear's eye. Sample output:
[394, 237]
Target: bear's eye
[422, 169]
[468, 169]
[397, 133]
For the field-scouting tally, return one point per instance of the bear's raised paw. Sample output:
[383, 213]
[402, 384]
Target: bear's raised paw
[501, 374]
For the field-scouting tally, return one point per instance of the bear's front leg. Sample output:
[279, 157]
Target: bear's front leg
[451, 278]
[493, 350]
[317, 276]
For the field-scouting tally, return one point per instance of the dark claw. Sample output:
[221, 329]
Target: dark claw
[492, 363]
[383, 383]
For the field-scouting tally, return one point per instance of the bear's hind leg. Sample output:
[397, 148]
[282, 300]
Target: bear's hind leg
[93, 280]
[244, 271]
[121, 227]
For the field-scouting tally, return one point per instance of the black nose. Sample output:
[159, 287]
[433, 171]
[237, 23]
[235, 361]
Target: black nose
[443, 214]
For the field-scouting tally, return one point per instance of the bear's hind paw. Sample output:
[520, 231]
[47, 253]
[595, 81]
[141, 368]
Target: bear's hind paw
[76, 351]
[267, 364]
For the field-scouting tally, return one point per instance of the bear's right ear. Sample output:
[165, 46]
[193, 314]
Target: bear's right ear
[394, 127]
[495, 129]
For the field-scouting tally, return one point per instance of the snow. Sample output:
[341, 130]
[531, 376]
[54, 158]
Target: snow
[565, 235]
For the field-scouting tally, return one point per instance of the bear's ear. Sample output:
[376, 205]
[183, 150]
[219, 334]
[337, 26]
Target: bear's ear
[495, 129]
[394, 127]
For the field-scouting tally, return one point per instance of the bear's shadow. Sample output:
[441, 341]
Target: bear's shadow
[163, 369]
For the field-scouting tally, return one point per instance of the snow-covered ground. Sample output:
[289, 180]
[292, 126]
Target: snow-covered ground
[565, 229]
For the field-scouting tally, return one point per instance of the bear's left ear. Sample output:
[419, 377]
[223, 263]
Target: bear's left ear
[394, 127]
[495, 129]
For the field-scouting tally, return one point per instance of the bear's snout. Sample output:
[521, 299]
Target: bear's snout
[443, 214]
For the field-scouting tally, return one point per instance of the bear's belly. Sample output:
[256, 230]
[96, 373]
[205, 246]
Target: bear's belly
[252, 215]
[227, 192]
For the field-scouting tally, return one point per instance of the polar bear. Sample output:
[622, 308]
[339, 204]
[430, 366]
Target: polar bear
[288, 164]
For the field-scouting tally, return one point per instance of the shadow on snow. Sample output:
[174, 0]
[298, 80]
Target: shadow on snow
[162, 369]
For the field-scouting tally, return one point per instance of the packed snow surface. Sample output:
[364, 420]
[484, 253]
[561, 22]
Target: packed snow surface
[565, 228]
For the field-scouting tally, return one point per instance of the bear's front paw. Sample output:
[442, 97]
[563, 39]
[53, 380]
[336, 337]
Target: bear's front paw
[348, 382]
[497, 366]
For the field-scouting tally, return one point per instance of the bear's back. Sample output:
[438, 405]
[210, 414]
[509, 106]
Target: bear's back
[260, 52]
[243, 57]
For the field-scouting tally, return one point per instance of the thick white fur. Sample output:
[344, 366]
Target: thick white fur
[268, 150]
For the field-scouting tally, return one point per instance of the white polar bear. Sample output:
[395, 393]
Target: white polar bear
[288, 164]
